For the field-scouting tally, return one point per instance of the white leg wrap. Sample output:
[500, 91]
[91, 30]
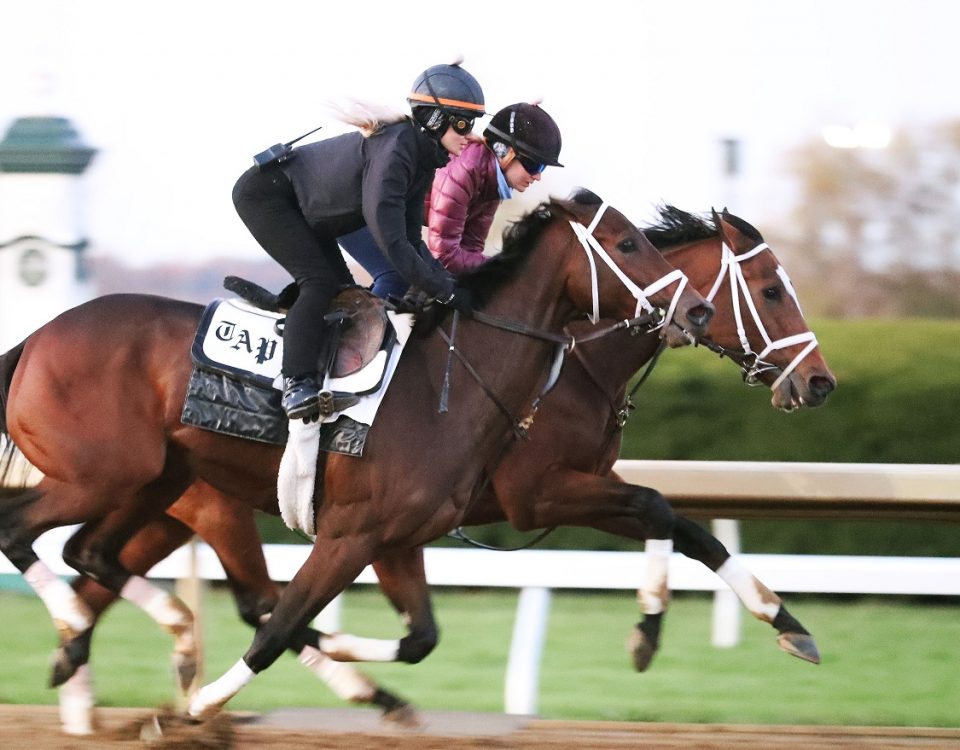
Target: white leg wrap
[342, 679]
[153, 600]
[655, 594]
[346, 647]
[756, 597]
[76, 702]
[61, 601]
[167, 610]
[210, 698]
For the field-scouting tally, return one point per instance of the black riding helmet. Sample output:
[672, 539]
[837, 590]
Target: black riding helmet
[529, 130]
[446, 95]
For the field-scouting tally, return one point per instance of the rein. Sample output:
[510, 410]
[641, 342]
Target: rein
[563, 343]
[459, 534]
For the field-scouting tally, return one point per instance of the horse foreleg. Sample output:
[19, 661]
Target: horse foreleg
[230, 530]
[576, 498]
[695, 542]
[331, 566]
[403, 581]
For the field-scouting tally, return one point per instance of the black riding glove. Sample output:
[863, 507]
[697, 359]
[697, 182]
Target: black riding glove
[461, 298]
[414, 301]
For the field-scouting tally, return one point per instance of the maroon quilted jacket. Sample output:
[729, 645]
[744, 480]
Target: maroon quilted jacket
[459, 208]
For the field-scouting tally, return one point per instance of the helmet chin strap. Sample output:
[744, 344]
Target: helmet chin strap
[730, 267]
[590, 243]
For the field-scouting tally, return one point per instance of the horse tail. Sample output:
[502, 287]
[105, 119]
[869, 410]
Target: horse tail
[8, 364]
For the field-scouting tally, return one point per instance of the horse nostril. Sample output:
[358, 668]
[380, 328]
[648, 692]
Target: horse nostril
[821, 386]
[700, 315]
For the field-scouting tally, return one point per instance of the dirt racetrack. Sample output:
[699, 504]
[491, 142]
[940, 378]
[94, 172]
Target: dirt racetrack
[37, 728]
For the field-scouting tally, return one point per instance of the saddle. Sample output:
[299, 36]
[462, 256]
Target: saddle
[358, 317]
[237, 353]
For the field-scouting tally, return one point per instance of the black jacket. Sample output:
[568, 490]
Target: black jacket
[347, 181]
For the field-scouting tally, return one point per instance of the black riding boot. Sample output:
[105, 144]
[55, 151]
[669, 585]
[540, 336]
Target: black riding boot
[301, 397]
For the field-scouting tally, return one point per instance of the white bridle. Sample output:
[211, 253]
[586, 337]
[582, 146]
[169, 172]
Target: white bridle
[730, 267]
[589, 242]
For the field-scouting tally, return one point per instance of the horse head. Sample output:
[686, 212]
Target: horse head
[619, 274]
[759, 322]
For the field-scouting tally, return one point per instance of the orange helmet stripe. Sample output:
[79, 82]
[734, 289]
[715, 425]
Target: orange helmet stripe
[427, 99]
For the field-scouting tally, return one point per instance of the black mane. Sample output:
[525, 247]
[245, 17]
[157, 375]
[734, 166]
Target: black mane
[677, 227]
[518, 238]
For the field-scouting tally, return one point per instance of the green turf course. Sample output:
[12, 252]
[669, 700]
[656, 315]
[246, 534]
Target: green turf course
[885, 661]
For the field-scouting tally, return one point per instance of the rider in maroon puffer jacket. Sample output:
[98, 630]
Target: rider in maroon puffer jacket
[520, 142]
[460, 206]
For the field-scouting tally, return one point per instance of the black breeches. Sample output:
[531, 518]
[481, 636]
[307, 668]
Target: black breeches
[268, 206]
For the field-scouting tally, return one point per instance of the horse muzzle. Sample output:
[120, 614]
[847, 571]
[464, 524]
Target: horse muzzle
[689, 325]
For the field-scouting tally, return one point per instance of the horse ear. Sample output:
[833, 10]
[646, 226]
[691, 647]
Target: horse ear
[563, 207]
[721, 227]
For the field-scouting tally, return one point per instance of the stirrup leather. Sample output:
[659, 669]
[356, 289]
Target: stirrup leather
[332, 402]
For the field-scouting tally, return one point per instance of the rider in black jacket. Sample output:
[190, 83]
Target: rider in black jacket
[297, 206]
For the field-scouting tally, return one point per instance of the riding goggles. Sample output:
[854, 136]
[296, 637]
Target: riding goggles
[532, 166]
[461, 125]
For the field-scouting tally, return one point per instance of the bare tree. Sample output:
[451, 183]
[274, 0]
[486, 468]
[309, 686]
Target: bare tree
[877, 231]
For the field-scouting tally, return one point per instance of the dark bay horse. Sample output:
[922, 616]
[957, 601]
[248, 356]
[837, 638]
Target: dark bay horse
[93, 400]
[564, 477]
[563, 471]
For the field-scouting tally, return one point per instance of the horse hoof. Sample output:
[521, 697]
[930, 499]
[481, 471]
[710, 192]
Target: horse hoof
[170, 730]
[151, 731]
[74, 652]
[186, 667]
[800, 645]
[640, 649]
[62, 668]
[404, 716]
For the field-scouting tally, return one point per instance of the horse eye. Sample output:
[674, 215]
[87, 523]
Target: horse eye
[771, 293]
[627, 246]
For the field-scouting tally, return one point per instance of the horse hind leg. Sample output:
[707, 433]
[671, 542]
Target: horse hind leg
[70, 615]
[350, 684]
[403, 581]
[697, 543]
[95, 551]
[256, 596]
[332, 565]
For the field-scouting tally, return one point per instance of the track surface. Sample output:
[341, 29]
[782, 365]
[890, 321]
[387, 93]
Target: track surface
[37, 728]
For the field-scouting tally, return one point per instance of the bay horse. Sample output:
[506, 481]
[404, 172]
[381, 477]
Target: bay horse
[577, 440]
[564, 477]
[93, 400]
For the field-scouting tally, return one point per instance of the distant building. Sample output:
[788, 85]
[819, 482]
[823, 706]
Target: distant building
[42, 243]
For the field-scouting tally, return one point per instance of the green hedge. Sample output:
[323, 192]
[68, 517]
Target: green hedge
[897, 401]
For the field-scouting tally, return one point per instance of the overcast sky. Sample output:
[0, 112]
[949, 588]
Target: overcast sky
[178, 95]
